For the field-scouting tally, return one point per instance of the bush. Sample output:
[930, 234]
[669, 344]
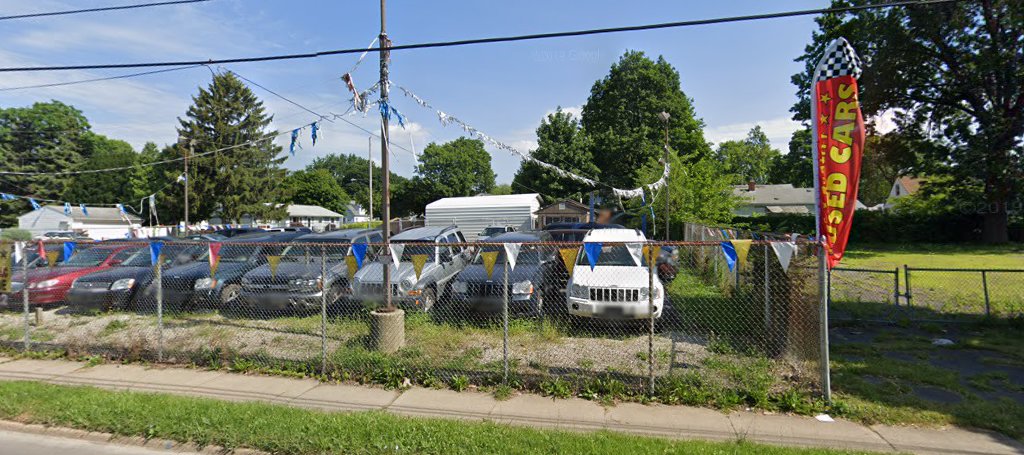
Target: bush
[887, 227]
[15, 234]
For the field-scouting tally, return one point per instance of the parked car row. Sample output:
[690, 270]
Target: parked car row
[295, 270]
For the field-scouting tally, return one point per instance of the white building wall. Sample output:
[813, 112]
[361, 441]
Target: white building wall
[41, 221]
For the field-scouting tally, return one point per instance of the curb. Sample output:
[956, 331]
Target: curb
[137, 441]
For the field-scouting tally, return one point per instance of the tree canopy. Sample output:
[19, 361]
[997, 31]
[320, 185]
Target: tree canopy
[749, 159]
[458, 168]
[316, 187]
[560, 142]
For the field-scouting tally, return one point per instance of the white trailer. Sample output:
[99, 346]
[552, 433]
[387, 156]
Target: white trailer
[473, 214]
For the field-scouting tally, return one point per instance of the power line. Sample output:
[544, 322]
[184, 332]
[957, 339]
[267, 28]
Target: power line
[502, 39]
[95, 10]
[100, 79]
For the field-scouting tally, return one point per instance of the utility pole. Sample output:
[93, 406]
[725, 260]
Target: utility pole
[384, 145]
[665, 118]
[187, 153]
[369, 157]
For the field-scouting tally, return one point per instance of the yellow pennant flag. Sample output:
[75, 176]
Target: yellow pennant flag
[213, 266]
[742, 248]
[651, 253]
[569, 257]
[352, 264]
[6, 248]
[490, 257]
[418, 260]
[273, 261]
[51, 257]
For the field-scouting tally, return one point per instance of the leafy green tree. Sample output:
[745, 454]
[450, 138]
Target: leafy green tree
[700, 191]
[795, 167]
[501, 190]
[351, 172]
[621, 118]
[45, 137]
[316, 187]
[105, 187]
[562, 143]
[145, 179]
[458, 168]
[244, 180]
[749, 159]
[953, 74]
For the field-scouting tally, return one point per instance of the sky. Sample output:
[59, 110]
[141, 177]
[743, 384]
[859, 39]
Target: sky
[738, 74]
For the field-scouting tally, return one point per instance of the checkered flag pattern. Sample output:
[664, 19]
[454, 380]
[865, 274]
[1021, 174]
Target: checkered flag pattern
[839, 60]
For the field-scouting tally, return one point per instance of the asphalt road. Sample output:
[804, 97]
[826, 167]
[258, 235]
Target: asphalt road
[14, 443]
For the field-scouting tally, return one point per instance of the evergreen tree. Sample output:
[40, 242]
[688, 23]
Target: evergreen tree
[244, 180]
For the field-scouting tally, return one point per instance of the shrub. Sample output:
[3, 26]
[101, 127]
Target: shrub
[16, 234]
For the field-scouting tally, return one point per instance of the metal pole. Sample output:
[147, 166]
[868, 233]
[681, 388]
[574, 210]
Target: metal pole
[24, 294]
[369, 157]
[896, 286]
[160, 309]
[384, 145]
[191, 149]
[906, 279]
[650, 314]
[323, 310]
[984, 286]
[504, 318]
[667, 186]
[826, 380]
[767, 297]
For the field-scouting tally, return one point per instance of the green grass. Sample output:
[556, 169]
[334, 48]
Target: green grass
[280, 429]
[1010, 256]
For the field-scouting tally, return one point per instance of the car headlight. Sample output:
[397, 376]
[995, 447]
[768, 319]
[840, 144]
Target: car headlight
[460, 287]
[643, 293]
[579, 291]
[657, 292]
[305, 283]
[205, 283]
[522, 287]
[44, 284]
[406, 284]
[123, 283]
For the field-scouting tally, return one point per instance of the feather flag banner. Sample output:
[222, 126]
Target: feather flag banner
[838, 143]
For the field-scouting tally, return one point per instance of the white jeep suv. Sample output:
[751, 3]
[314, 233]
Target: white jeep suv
[618, 286]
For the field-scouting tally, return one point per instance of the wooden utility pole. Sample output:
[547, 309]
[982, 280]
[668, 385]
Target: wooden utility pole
[384, 145]
[187, 153]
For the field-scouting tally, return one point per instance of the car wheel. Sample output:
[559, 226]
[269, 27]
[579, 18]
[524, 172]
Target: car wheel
[428, 299]
[229, 294]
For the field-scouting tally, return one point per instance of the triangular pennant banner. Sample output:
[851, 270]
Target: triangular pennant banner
[396, 252]
[489, 257]
[353, 267]
[593, 251]
[359, 252]
[69, 249]
[569, 257]
[213, 267]
[273, 262]
[214, 257]
[651, 253]
[42, 250]
[154, 252]
[742, 248]
[636, 251]
[19, 251]
[785, 252]
[512, 253]
[51, 257]
[418, 260]
[730, 254]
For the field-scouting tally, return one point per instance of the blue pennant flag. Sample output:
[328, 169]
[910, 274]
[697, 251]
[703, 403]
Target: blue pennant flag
[730, 254]
[400, 117]
[295, 139]
[154, 251]
[314, 128]
[7, 197]
[67, 208]
[593, 250]
[35, 205]
[359, 251]
[725, 233]
[69, 249]
[120, 207]
[84, 210]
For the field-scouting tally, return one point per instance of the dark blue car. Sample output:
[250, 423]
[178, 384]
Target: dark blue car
[529, 283]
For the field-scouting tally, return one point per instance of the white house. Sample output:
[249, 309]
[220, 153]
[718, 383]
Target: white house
[902, 187]
[355, 213]
[472, 214]
[101, 222]
[314, 217]
[764, 199]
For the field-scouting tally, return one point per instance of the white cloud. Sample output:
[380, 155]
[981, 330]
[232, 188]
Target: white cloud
[778, 131]
[576, 111]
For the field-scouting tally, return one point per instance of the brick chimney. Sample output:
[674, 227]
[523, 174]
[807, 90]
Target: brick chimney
[751, 186]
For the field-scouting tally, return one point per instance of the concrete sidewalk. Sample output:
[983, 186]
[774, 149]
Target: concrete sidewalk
[532, 410]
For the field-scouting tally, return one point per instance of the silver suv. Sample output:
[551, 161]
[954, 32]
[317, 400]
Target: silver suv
[442, 262]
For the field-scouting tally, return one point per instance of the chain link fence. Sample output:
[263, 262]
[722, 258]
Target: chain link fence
[669, 319]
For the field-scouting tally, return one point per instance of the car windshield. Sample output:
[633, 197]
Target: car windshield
[238, 253]
[412, 249]
[528, 254]
[336, 251]
[567, 236]
[611, 255]
[493, 230]
[143, 258]
[88, 258]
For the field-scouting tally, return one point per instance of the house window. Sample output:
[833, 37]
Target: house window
[561, 206]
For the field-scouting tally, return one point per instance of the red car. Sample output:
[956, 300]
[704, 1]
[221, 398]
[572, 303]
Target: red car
[48, 285]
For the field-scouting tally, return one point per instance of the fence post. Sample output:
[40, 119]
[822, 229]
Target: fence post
[323, 309]
[24, 295]
[504, 323]
[767, 297]
[896, 286]
[826, 380]
[650, 312]
[906, 279]
[984, 286]
[159, 311]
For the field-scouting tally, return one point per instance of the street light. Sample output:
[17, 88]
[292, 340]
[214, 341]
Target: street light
[665, 117]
